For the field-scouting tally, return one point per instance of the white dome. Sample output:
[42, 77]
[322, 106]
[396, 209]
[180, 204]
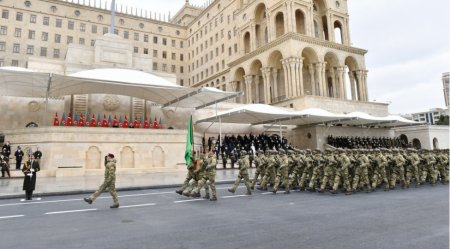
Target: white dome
[123, 76]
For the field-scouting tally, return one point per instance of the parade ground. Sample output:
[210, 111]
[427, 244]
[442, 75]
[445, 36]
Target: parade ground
[160, 218]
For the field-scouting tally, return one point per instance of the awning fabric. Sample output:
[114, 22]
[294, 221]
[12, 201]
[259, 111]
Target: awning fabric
[26, 83]
[264, 114]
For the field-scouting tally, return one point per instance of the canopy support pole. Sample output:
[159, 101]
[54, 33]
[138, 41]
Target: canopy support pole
[47, 94]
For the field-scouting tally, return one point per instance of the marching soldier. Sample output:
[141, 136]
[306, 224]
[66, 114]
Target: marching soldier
[260, 163]
[109, 183]
[189, 176]
[399, 170]
[380, 171]
[207, 178]
[342, 174]
[269, 172]
[317, 173]
[244, 164]
[361, 177]
[429, 169]
[328, 171]
[283, 173]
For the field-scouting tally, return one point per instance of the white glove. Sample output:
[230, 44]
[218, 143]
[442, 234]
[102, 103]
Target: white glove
[30, 174]
[32, 170]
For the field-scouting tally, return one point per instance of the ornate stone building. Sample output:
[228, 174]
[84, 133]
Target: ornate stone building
[291, 53]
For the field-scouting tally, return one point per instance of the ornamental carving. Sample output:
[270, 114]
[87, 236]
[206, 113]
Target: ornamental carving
[111, 102]
[33, 106]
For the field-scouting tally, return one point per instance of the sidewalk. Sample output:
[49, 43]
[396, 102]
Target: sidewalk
[11, 188]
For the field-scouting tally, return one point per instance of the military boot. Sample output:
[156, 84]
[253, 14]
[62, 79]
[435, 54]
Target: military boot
[179, 192]
[214, 198]
[231, 190]
[287, 192]
[195, 195]
[206, 196]
[88, 200]
[249, 193]
[115, 205]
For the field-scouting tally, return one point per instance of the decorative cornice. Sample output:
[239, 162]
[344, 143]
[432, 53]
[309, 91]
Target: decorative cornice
[211, 78]
[297, 37]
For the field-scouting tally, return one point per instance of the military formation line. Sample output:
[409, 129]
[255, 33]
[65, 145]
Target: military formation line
[337, 170]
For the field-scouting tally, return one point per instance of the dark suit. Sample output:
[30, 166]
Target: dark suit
[19, 156]
[29, 182]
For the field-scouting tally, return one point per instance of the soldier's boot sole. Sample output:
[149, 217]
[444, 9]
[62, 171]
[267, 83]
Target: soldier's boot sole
[115, 205]
[88, 200]
[213, 198]
[179, 192]
[231, 190]
[206, 197]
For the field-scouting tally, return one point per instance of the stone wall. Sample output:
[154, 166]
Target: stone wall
[81, 151]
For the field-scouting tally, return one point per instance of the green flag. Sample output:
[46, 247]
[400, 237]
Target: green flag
[189, 143]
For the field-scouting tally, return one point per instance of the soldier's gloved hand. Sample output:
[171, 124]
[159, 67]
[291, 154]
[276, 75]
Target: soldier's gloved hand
[30, 174]
[32, 170]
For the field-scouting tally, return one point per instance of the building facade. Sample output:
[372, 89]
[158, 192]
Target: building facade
[430, 117]
[288, 53]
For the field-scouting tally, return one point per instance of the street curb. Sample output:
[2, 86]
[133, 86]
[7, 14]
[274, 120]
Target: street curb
[79, 192]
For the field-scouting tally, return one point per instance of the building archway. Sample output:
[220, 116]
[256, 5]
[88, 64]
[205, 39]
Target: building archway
[300, 22]
[331, 79]
[247, 43]
[310, 81]
[258, 82]
[279, 24]
[352, 82]
[435, 144]
[260, 24]
[158, 157]
[338, 35]
[278, 74]
[240, 85]
[127, 157]
[320, 19]
[417, 144]
[93, 158]
[403, 139]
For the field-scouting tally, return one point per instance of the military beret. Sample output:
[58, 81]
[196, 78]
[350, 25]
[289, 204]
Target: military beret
[110, 155]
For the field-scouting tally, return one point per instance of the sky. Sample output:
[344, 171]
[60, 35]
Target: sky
[408, 43]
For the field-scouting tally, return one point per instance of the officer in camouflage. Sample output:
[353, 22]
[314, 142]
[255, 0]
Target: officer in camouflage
[244, 164]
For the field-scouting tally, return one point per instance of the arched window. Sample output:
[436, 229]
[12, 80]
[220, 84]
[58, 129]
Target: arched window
[279, 24]
[247, 42]
[316, 29]
[300, 21]
[338, 38]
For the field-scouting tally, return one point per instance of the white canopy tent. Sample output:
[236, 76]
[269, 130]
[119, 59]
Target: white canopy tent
[26, 83]
[265, 114]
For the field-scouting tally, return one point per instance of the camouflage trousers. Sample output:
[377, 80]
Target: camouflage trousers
[328, 177]
[185, 184]
[430, 172]
[342, 175]
[317, 174]
[380, 176]
[258, 172]
[111, 186]
[284, 179]
[398, 174]
[361, 179]
[207, 182]
[443, 173]
[268, 178]
[191, 186]
[238, 181]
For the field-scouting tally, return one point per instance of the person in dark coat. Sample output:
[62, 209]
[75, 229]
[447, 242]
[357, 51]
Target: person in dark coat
[30, 169]
[6, 149]
[19, 155]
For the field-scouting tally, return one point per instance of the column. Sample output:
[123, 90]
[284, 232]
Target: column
[256, 80]
[266, 76]
[366, 88]
[352, 84]
[287, 87]
[324, 80]
[269, 27]
[252, 37]
[248, 88]
[313, 79]
[301, 89]
[360, 87]
[310, 24]
[342, 88]
[293, 76]
[275, 82]
[333, 84]
[319, 75]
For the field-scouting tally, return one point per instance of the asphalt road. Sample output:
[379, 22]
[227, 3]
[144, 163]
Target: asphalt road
[413, 218]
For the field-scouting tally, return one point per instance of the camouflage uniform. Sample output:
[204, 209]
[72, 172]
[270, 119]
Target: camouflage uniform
[208, 179]
[361, 177]
[429, 168]
[189, 176]
[260, 163]
[244, 164]
[380, 172]
[442, 166]
[270, 171]
[328, 171]
[297, 172]
[308, 170]
[399, 170]
[282, 173]
[342, 173]
[317, 172]
[108, 183]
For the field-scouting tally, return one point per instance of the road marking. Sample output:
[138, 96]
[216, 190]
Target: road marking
[12, 216]
[233, 196]
[268, 193]
[139, 205]
[72, 211]
[68, 200]
[189, 200]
